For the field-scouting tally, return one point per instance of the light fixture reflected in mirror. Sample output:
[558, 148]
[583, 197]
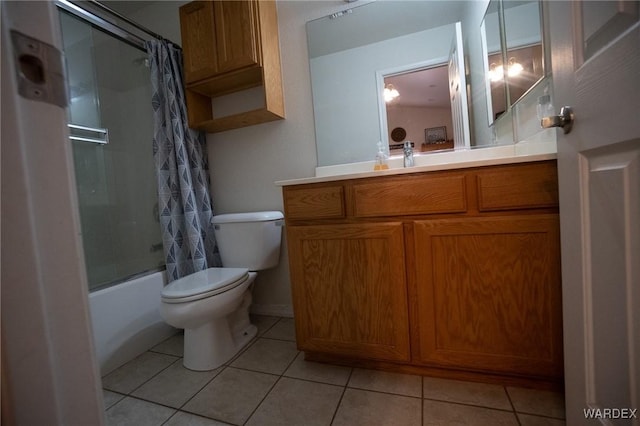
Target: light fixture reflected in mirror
[514, 67]
[496, 72]
[390, 93]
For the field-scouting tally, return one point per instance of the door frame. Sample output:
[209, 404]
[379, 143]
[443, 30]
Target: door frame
[49, 369]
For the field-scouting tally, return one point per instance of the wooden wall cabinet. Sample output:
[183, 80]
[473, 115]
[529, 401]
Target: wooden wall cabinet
[219, 37]
[230, 46]
[455, 272]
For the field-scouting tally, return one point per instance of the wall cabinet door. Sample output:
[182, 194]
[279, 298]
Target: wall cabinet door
[349, 289]
[489, 294]
[218, 37]
[236, 34]
[197, 26]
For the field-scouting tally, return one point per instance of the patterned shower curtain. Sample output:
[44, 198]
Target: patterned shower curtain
[185, 209]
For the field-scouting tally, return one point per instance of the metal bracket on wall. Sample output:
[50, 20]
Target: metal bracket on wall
[39, 70]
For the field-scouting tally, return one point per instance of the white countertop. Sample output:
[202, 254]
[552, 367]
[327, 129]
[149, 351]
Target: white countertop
[490, 156]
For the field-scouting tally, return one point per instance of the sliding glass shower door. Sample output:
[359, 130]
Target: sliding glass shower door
[110, 120]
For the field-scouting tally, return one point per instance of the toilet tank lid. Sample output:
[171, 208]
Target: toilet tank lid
[248, 217]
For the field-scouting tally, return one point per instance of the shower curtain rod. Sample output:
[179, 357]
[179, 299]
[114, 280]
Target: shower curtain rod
[131, 22]
[80, 8]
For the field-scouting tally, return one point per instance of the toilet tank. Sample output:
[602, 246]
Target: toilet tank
[249, 240]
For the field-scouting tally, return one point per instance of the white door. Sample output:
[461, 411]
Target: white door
[458, 92]
[596, 70]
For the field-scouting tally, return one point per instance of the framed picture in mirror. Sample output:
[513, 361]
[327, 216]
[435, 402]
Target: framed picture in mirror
[435, 135]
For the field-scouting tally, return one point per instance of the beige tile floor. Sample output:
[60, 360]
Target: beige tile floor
[270, 383]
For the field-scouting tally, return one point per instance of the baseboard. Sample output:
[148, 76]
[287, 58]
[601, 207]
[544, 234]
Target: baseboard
[272, 310]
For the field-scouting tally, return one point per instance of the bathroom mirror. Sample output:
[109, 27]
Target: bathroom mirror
[525, 53]
[344, 56]
[513, 52]
[347, 49]
[493, 58]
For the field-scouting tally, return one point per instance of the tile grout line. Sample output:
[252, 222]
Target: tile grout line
[465, 404]
[274, 384]
[513, 407]
[152, 349]
[262, 400]
[344, 390]
[270, 327]
[221, 369]
[422, 400]
[385, 393]
[130, 393]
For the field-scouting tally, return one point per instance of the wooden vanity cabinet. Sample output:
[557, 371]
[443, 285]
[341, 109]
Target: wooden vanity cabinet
[453, 273]
[230, 46]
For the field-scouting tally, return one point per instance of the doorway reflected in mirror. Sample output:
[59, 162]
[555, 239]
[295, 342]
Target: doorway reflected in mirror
[422, 103]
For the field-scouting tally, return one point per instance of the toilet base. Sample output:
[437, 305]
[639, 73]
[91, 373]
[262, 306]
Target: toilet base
[211, 345]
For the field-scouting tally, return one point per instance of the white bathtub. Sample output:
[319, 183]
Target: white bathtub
[126, 320]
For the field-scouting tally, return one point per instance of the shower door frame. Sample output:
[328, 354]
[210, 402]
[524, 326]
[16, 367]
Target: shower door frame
[94, 16]
[106, 25]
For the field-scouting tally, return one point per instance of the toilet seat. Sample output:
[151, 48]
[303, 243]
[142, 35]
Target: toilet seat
[204, 284]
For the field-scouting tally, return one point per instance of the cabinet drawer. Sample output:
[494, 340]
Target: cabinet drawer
[410, 195]
[314, 202]
[515, 187]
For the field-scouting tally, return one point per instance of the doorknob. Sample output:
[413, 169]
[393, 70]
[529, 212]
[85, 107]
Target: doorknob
[564, 120]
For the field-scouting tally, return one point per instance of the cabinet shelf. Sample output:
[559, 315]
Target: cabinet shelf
[228, 83]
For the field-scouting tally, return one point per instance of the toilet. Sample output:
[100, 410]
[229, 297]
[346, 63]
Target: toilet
[212, 306]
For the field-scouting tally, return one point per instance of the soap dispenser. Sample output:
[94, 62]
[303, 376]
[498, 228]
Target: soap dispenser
[381, 159]
[408, 154]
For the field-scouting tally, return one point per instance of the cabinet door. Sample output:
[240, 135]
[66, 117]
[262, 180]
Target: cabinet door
[197, 27]
[218, 37]
[489, 294]
[236, 32]
[349, 289]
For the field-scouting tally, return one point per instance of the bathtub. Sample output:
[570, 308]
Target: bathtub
[126, 320]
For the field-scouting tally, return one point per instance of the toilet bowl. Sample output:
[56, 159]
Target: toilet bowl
[202, 304]
[212, 306]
